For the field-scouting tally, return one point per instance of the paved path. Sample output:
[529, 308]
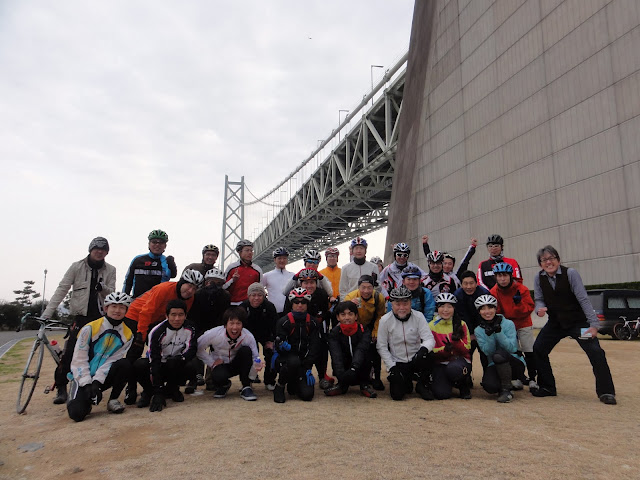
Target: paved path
[9, 339]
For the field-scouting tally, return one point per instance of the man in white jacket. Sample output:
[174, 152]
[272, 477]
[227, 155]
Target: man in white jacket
[230, 350]
[358, 267]
[405, 344]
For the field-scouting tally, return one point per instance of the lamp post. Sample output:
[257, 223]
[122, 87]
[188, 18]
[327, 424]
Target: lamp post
[372, 67]
[339, 120]
[44, 287]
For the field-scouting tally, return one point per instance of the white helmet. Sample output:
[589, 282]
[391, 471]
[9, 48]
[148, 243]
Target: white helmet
[193, 276]
[119, 298]
[300, 293]
[485, 300]
[446, 297]
[215, 273]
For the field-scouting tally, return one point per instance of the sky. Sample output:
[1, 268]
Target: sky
[120, 117]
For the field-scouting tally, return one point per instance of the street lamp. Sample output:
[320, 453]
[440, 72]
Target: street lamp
[372, 67]
[339, 120]
[44, 287]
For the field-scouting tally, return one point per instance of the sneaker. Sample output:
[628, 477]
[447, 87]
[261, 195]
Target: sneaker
[199, 379]
[221, 392]
[255, 380]
[505, 397]
[424, 391]
[177, 395]
[144, 400]
[542, 392]
[378, 385]
[191, 387]
[130, 395]
[247, 394]
[114, 406]
[278, 394]
[368, 391]
[271, 387]
[61, 396]
[533, 385]
[329, 379]
[465, 392]
[517, 385]
[333, 390]
[324, 384]
[608, 399]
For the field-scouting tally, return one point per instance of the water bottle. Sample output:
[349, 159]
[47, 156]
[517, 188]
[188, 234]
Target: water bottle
[56, 348]
[257, 361]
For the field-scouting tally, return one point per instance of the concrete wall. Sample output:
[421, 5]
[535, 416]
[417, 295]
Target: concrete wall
[524, 122]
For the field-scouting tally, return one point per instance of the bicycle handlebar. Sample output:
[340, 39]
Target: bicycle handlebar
[47, 322]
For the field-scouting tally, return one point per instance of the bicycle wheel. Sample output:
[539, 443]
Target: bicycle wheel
[621, 331]
[30, 376]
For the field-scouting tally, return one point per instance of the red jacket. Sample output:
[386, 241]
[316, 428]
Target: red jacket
[238, 287]
[519, 314]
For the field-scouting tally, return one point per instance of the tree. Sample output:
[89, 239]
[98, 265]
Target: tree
[26, 296]
[10, 314]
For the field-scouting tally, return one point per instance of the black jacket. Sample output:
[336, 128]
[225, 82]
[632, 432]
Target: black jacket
[347, 352]
[209, 304]
[261, 321]
[303, 336]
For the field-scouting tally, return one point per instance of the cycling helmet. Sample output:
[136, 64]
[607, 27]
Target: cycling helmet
[300, 293]
[215, 273]
[210, 248]
[332, 251]
[495, 238]
[358, 241]
[400, 293]
[312, 254]
[401, 248]
[449, 256]
[243, 243]
[99, 242]
[435, 257]
[307, 274]
[411, 272]
[159, 234]
[503, 267]
[280, 252]
[376, 261]
[193, 276]
[119, 298]
[446, 297]
[486, 300]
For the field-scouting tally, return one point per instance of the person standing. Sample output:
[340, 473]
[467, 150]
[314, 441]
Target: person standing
[559, 292]
[91, 280]
[495, 246]
[209, 257]
[275, 280]
[332, 272]
[391, 275]
[242, 273]
[150, 269]
[359, 266]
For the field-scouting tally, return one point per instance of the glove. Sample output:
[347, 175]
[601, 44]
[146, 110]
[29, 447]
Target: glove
[497, 328]
[99, 286]
[273, 360]
[348, 377]
[395, 375]
[157, 402]
[96, 392]
[488, 329]
[311, 381]
[171, 263]
[295, 277]
[423, 352]
[517, 298]
[447, 345]
[285, 346]
[138, 341]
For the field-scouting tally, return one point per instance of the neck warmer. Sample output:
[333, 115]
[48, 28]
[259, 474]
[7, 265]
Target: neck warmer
[299, 316]
[95, 265]
[350, 329]
[113, 322]
[400, 267]
[359, 261]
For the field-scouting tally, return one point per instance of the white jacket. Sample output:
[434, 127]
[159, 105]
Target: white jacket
[222, 347]
[275, 281]
[352, 272]
[399, 341]
[391, 277]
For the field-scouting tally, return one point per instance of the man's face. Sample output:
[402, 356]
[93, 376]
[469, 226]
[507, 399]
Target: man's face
[445, 310]
[435, 267]
[366, 290]
[494, 249]
[487, 312]
[176, 317]
[503, 279]
[117, 311]
[187, 290]
[347, 317]
[233, 327]
[469, 285]
[98, 254]
[402, 258]
[332, 260]
[402, 308]
[210, 257]
[298, 305]
[549, 263]
[157, 246]
[246, 254]
[359, 252]
[310, 285]
[256, 299]
[311, 264]
[447, 265]
[281, 261]
[411, 283]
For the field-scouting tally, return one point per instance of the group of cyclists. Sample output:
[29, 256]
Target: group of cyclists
[210, 326]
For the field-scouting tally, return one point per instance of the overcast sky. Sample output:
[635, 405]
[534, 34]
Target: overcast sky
[120, 117]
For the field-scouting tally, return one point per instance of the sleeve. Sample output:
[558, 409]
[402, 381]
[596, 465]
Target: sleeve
[80, 361]
[577, 287]
[145, 317]
[382, 345]
[109, 282]
[426, 336]
[463, 346]
[191, 347]
[203, 345]
[516, 270]
[281, 333]
[155, 357]
[251, 342]
[429, 306]
[103, 370]
[525, 307]
[314, 346]
[344, 282]
[426, 249]
[485, 343]
[326, 284]
[173, 268]
[272, 320]
[288, 287]
[464, 265]
[128, 278]
[383, 280]
[479, 276]
[380, 311]
[507, 337]
[337, 362]
[362, 350]
[61, 291]
[537, 294]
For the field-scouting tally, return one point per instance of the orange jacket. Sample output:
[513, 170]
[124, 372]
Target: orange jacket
[150, 307]
[333, 274]
[519, 314]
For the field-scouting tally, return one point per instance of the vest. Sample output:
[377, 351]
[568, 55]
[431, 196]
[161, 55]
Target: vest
[563, 307]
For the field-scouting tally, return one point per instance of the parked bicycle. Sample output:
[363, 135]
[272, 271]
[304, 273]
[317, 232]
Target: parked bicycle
[34, 362]
[627, 329]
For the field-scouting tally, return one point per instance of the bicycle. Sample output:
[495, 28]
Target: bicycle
[34, 362]
[627, 329]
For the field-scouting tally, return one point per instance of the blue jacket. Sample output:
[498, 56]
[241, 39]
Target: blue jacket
[465, 307]
[505, 339]
[425, 304]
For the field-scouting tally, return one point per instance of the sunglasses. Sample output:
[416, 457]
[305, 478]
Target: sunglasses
[157, 242]
[297, 301]
[402, 255]
[315, 262]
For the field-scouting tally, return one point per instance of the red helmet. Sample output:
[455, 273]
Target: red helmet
[300, 293]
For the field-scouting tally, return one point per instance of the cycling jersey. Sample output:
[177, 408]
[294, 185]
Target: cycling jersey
[146, 271]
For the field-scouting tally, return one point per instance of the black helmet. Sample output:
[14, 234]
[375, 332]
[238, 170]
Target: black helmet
[495, 238]
[243, 243]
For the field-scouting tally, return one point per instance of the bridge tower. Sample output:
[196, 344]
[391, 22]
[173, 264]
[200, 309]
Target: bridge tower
[233, 222]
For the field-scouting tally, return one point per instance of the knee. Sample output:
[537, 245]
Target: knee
[305, 392]
[78, 409]
[500, 356]
[397, 390]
